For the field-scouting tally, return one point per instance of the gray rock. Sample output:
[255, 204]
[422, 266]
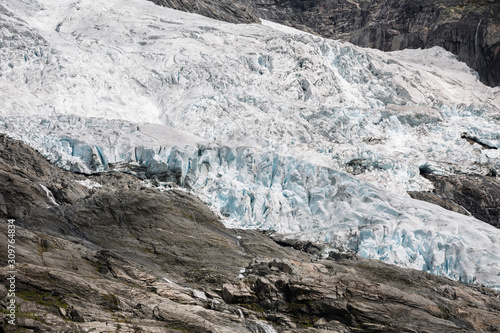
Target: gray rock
[478, 196]
[127, 258]
[240, 11]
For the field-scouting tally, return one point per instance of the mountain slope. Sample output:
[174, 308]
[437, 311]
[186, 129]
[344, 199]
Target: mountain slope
[110, 253]
[225, 10]
[267, 121]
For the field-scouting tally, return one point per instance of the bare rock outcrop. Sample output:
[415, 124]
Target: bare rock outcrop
[240, 11]
[125, 257]
[478, 196]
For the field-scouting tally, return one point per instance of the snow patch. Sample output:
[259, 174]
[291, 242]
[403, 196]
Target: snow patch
[49, 195]
[89, 184]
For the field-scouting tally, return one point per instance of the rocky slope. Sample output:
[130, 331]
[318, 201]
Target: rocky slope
[469, 29]
[277, 116]
[478, 196]
[111, 252]
[225, 10]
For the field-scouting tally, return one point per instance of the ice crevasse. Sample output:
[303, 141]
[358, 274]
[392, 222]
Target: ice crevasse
[266, 190]
[262, 123]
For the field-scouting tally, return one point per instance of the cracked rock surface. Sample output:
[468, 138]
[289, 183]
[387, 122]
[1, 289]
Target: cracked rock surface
[474, 195]
[125, 257]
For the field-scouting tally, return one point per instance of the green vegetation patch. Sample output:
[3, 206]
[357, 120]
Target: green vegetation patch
[42, 298]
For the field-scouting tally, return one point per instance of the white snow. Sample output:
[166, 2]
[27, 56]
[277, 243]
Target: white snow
[49, 195]
[261, 121]
[199, 294]
[169, 281]
[251, 85]
[89, 184]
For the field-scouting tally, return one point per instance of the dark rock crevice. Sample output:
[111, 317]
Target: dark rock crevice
[472, 139]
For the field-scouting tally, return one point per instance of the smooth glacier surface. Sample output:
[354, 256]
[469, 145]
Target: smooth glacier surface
[276, 128]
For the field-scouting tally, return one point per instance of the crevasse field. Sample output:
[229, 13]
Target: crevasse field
[265, 123]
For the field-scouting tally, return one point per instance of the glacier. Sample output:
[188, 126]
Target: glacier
[275, 128]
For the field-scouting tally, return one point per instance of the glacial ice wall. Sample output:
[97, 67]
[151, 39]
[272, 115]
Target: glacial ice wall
[266, 190]
[378, 115]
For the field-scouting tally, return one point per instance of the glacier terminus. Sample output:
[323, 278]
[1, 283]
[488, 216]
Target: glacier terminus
[275, 128]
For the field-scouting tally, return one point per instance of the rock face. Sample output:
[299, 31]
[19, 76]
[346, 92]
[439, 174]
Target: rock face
[225, 10]
[112, 253]
[478, 196]
[469, 29]
[353, 294]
